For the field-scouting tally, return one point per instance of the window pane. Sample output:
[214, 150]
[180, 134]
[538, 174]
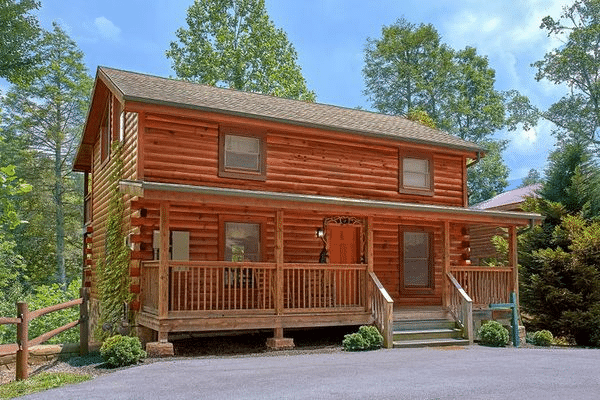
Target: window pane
[415, 180]
[416, 259]
[416, 165]
[242, 241]
[242, 152]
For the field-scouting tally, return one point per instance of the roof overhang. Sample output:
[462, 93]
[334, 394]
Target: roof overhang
[255, 198]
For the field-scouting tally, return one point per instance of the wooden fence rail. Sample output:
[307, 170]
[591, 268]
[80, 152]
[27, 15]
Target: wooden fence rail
[383, 310]
[24, 317]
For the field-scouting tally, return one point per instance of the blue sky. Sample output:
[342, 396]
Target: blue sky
[329, 36]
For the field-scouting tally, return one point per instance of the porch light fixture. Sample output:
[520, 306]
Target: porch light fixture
[320, 233]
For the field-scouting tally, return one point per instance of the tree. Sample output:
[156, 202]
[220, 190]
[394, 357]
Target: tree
[233, 43]
[409, 68]
[575, 63]
[489, 176]
[18, 31]
[533, 177]
[49, 112]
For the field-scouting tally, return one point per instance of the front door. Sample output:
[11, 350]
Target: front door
[344, 244]
[416, 270]
[344, 248]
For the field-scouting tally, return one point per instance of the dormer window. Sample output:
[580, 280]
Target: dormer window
[416, 175]
[242, 155]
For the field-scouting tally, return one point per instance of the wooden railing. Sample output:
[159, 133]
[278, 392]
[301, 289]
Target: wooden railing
[485, 285]
[382, 307]
[24, 317]
[323, 286]
[209, 286]
[150, 287]
[461, 307]
[221, 286]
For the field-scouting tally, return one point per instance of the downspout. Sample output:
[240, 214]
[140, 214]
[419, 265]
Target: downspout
[475, 161]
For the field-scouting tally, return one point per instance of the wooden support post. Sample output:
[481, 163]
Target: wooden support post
[163, 268]
[84, 327]
[279, 262]
[446, 264]
[370, 264]
[513, 259]
[23, 341]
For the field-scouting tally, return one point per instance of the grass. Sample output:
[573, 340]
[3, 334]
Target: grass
[39, 382]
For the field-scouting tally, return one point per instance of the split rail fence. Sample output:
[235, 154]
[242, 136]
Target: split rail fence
[25, 316]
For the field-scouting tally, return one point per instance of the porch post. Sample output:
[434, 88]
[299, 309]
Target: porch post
[513, 259]
[370, 263]
[278, 342]
[445, 264]
[163, 269]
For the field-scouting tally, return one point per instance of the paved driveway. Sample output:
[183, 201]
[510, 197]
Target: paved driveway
[467, 373]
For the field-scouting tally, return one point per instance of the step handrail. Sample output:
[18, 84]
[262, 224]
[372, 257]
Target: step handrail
[461, 307]
[382, 307]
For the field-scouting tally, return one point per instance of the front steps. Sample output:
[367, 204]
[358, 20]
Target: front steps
[427, 327]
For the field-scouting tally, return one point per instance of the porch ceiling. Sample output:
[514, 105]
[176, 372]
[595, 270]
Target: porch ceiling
[193, 193]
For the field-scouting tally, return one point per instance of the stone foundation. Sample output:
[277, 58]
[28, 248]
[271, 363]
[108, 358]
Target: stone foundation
[159, 349]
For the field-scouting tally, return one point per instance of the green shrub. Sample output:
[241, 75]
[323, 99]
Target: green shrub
[493, 334]
[367, 338]
[118, 351]
[542, 338]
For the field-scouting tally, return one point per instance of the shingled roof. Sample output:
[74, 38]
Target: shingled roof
[152, 89]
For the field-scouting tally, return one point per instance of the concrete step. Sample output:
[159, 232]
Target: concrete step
[424, 324]
[426, 334]
[430, 343]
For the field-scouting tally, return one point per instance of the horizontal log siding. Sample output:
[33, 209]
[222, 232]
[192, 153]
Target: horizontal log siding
[185, 151]
[101, 191]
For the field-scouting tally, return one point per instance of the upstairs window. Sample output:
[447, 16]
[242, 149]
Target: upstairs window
[242, 155]
[416, 176]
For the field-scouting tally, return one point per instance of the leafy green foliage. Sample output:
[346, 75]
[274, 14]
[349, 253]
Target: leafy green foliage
[113, 269]
[533, 177]
[18, 31]
[40, 382]
[493, 334]
[233, 43]
[422, 117]
[49, 295]
[409, 69]
[119, 351]
[576, 63]
[47, 114]
[367, 338]
[542, 338]
[560, 275]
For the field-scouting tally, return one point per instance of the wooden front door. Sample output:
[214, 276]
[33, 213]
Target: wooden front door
[344, 248]
[344, 244]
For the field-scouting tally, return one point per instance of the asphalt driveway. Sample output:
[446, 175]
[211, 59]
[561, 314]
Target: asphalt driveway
[473, 372]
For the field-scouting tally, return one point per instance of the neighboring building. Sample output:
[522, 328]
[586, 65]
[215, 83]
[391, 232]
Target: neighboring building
[482, 248]
[247, 211]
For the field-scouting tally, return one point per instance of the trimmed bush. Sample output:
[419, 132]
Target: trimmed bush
[493, 334]
[542, 338]
[367, 338]
[119, 351]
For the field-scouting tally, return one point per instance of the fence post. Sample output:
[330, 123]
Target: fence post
[84, 333]
[22, 341]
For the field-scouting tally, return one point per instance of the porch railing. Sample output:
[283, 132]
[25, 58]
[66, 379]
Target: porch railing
[382, 307]
[217, 286]
[461, 307]
[485, 285]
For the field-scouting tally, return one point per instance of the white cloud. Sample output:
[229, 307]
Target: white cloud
[107, 29]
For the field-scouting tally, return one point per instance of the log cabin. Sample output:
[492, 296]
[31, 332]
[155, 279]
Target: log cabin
[246, 211]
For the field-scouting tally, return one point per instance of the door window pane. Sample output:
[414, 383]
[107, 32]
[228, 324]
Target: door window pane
[416, 259]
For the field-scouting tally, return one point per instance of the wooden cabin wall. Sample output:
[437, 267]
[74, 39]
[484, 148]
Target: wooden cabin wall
[184, 150]
[101, 192]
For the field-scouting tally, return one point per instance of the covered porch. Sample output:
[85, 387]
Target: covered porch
[278, 293]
